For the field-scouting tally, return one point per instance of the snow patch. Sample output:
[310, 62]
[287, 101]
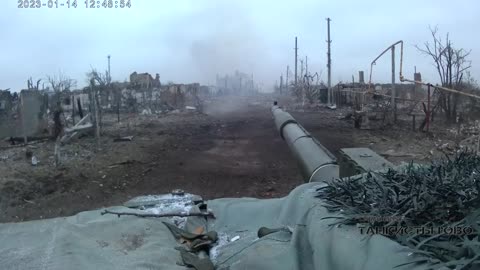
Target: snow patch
[163, 197]
[168, 203]
[175, 207]
[223, 239]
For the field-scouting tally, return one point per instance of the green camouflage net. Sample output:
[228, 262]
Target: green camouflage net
[432, 209]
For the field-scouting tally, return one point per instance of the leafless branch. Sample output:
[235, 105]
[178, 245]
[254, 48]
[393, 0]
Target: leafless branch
[451, 64]
[97, 78]
[60, 82]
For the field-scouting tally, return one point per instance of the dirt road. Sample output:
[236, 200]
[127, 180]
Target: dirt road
[231, 151]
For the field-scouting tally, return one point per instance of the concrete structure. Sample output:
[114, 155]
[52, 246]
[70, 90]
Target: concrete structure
[24, 116]
[27, 113]
[144, 80]
[361, 78]
[6, 100]
[356, 161]
[417, 77]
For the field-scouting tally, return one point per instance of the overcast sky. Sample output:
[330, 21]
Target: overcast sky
[191, 41]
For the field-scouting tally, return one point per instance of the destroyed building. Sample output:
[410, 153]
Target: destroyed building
[144, 80]
[24, 114]
[27, 114]
[6, 100]
[239, 84]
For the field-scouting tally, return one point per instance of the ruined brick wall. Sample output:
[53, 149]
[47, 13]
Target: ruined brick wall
[6, 100]
[33, 113]
[6, 113]
[28, 116]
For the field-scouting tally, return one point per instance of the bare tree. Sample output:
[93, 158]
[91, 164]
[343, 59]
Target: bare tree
[98, 84]
[99, 79]
[296, 90]
[311, 90]
[451, 64]
[60, 82]
[30, 85]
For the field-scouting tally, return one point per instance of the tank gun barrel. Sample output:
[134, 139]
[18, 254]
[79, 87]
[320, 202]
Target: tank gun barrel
[315, 161]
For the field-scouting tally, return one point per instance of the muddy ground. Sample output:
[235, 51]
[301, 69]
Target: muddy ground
[230, 150]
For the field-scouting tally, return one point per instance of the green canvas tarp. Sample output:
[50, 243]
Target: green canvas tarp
[304, 240]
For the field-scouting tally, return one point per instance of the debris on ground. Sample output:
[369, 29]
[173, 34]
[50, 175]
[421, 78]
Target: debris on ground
[392, 153]
[34, 161]
[348, 116]
[124, 139]
[235, 238]
[146, 112]
[176, 149]
[82, 127]
[189, 150]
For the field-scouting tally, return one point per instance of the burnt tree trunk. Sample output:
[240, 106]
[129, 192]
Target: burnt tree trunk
[80, 110]
[57, 122]
[422, 126]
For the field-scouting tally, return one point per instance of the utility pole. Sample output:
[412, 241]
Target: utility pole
[306, 65]
[109, 74]
[302, 80]
[240, 85]
[252, 83]
[329, 64]
[281, 84]
[415, 79]
[226, 82]
[296, 55]
[394, 105]
[286, 79]
[301, 69]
